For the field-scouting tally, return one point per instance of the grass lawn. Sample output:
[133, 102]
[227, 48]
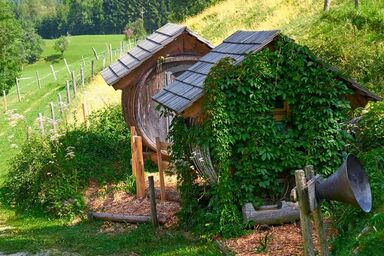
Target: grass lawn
[35, 100]
[27, 234]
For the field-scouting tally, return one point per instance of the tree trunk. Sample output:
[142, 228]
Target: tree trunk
[327, 4]
[123, 217]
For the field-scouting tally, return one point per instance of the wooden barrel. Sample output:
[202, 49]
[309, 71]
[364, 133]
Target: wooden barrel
[138, 107]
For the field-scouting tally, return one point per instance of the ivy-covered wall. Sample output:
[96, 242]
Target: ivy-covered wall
[252, 153]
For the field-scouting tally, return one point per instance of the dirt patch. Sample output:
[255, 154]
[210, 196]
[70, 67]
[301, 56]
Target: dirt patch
[113, 199]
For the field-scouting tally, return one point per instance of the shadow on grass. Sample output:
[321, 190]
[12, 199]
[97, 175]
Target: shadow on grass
[39, 234]
[54, 58]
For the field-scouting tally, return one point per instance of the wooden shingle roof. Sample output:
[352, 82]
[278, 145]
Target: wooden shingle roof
[145, 50]
[188, 87]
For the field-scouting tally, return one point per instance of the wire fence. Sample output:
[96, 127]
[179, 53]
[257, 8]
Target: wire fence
[67, 82]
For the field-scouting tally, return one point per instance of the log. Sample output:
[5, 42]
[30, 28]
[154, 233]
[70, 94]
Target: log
[124, 217]
[169, 195]
[288, 212]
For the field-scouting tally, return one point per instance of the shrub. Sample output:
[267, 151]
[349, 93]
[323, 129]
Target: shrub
[61, 44]
[50, 175]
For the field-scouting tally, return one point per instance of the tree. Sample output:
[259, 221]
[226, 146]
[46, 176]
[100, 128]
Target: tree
[32, 43]
[61, 44]
[11, 51]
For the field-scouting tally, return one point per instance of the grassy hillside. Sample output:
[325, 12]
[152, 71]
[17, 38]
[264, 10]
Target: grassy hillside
[14, 123]
[347, 38]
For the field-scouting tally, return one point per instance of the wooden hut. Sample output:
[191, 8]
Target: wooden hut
[146, 69]
[184, 96]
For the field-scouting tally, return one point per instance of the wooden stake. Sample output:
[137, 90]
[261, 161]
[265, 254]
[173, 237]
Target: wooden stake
[53, 118]
[160, 168]
[5, 101]
[305, 220]
[92, 68]
[68, 92]
[74, 84]
[152, 197]
[82, 75]
[18, 89]
[61, 107]
[38, 79]
[41, 124]
[133, 150]
[66, 65]
[85, 113]
[53, 73]
[95, 53]
[317, 218]
[140, 179]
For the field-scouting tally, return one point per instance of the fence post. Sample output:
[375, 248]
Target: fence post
[38, 79]
[317, 218]
[68, 92]
[5, 101]
[53, 118]
[152, 197]
[18, 89]
[110, 54]
[66, 65]
[41, 124]
[95, 53]
[92, 68]
[82, 75]
[305, 220]
[74, 84]
[61, 107]
[53, 73]
[133, 150]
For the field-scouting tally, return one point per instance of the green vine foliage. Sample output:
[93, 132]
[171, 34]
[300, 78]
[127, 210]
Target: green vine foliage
[253, 154]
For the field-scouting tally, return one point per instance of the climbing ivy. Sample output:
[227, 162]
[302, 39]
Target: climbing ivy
[253, 154]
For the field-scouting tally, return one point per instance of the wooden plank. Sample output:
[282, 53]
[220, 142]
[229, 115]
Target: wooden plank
[317, 218]
[152, 197]
[305, 220]
[140, 179]
[160, 168]
[133, 150]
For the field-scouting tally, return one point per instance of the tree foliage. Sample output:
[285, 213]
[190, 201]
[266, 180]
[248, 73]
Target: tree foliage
[252, 152]
[11, 53]
[61, 44]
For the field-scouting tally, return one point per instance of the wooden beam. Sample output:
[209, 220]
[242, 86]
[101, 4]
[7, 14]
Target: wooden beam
[140, 176]
[152, 197]
[160, 168]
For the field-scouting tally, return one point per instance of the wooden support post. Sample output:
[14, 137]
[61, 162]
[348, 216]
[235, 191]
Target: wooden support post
[5, 101]
[18, 89]
[85, 114]
[92, 68]
[53, 118]
[41, 124]
[152, 197]
[66, 65]
[74, 84]
[95, 53]
[38, 79]
[317, 218]
[82, 75]
[140, 179]
[160, 168]
[133, 150]
[305, 220]
[53, 73]
[68, 92]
